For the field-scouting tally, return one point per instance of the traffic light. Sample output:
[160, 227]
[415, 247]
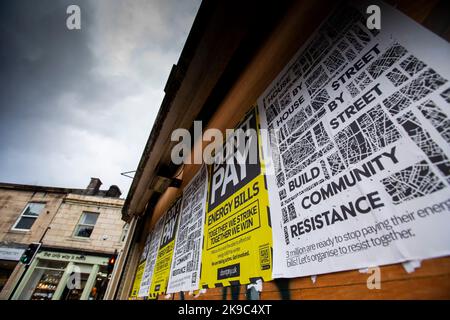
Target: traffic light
[111, 262]
[29, 253]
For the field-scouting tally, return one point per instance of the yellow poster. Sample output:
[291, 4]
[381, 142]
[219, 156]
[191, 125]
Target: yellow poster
[165, 252]
[137, 280]
[238, 235]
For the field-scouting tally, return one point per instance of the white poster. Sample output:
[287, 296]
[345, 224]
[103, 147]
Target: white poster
[152, 251]
[186, 261]
[359, 135]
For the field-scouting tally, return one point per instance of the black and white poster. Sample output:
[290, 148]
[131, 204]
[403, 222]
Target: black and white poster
[151, 251]
[187, 255]
[358, 137]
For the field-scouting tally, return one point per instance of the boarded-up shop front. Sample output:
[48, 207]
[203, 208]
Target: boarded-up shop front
[352, 173]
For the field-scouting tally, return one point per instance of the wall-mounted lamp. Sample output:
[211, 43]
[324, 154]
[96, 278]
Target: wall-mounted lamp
[161, 182]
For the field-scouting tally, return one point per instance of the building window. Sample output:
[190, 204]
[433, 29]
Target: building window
[86, 224]
[28, 216]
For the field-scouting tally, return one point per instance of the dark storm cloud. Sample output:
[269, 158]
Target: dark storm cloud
[39, 59]
[75, 104]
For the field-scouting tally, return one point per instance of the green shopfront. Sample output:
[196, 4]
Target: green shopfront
[55, 275]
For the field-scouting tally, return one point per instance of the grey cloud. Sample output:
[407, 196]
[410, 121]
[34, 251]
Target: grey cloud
[75, 104]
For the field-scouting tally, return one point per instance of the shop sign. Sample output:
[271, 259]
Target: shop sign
[12, 254]
[63, 256]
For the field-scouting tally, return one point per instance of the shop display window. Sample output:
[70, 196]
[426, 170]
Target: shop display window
[44, 280]
[101, 283]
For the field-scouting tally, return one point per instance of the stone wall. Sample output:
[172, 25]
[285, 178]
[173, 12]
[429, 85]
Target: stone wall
[107, 231]
[13, 202]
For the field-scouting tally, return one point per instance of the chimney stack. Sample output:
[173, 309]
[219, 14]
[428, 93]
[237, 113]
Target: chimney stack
[93, 187]
[113, 191]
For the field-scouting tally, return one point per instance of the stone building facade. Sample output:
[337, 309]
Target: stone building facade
[79, 231]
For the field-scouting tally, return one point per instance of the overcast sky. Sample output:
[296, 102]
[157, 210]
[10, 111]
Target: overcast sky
[81, 104]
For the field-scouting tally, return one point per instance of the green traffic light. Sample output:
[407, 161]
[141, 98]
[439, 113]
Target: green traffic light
[29, 253]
